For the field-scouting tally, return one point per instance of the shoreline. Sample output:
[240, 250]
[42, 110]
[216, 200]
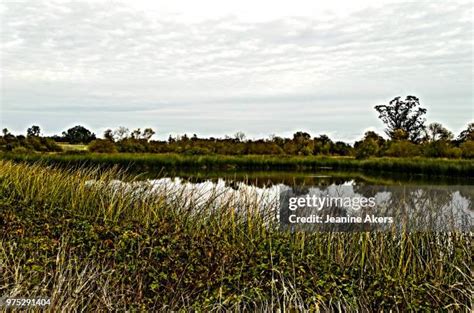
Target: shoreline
[159, 162]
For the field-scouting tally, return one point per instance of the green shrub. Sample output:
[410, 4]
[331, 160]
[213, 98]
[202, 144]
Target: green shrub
[454, 153]
[403, 148]
[367, 148]
[21, 149]
[437, 149]
[467, 149]
[102, 146]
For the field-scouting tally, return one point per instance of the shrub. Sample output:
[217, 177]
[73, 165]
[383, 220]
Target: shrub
[21, 150]
[467, 149]
[403, 148]
[437, 149]
[367, 148]
[102, 146]
[455, 153]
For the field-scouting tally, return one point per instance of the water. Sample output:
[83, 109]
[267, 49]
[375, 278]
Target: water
[416, 202]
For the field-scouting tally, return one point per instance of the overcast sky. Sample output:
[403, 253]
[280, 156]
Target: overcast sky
[217, 67]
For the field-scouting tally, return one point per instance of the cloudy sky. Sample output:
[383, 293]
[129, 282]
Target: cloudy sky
[216, 67]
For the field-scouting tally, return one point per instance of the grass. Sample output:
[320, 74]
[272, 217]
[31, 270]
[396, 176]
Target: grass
[98, 248]
[72, 147]
[156, 162]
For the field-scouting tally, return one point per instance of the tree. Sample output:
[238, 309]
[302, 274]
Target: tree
[78, 134]
[436, 131]
[467, 134]
[373, 135]
[239, 136]
[121, 133]
[322, 145]
[147, 134]
[405, 115]
[5, 132]
[136, 134]
[33, 131]
[109, 135]
[366, 148]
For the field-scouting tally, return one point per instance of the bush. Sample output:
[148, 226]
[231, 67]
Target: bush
[467, 149]
[21, 150]
[455, 153]
[102, 146]
[403, 148]
[367, 148]
[437, 149]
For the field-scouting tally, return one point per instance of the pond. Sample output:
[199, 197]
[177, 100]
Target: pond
[414, 202]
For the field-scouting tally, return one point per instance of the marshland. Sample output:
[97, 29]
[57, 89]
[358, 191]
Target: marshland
[211, 156]
[129, 223]
[71, 233]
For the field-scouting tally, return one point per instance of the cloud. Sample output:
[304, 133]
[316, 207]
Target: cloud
[173, 63]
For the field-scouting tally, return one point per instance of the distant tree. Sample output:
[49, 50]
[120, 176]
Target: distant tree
[301, 136]
[366, 148]
[239, 136]
[109, 135]
[373, 135]
[33, 131]
[147, 134]
[78, 134]
[323, 145]
[467, 134]
[5, 132]
[341, 148]
[121, 133]
[136, 134]
[436, 131]
[405, 115]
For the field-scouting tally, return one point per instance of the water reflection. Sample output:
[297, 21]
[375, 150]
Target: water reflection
[414, 203]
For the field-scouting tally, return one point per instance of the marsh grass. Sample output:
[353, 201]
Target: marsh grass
[157, 162]
[77, 237]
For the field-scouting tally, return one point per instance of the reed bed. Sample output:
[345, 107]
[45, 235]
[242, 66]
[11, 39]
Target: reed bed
[156, 162]
[68, 235]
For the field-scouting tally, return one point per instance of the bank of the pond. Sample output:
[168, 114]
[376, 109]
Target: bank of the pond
[158, 162]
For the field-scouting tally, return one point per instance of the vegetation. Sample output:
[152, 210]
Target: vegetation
[78, 134]
[404, 119]
[405, 126]
[22, 144]
[97, 248]
[159, 162]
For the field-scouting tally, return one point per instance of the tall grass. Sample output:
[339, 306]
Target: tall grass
[156, 162]
[67, 234]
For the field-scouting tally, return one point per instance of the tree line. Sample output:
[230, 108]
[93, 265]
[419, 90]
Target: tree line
[408, 136]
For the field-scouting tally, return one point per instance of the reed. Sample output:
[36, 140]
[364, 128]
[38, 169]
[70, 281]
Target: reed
[157, 162]
[90, 242]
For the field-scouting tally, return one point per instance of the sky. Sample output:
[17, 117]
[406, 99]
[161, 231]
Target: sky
[215, 67]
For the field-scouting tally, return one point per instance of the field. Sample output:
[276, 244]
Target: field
[68, 234]
[72, 147]
[156, 162]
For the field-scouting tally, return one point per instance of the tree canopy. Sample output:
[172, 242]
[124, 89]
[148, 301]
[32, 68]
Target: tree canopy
[403, 118]
[79, 134]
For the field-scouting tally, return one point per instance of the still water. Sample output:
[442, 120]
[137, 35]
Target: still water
[415, 202]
